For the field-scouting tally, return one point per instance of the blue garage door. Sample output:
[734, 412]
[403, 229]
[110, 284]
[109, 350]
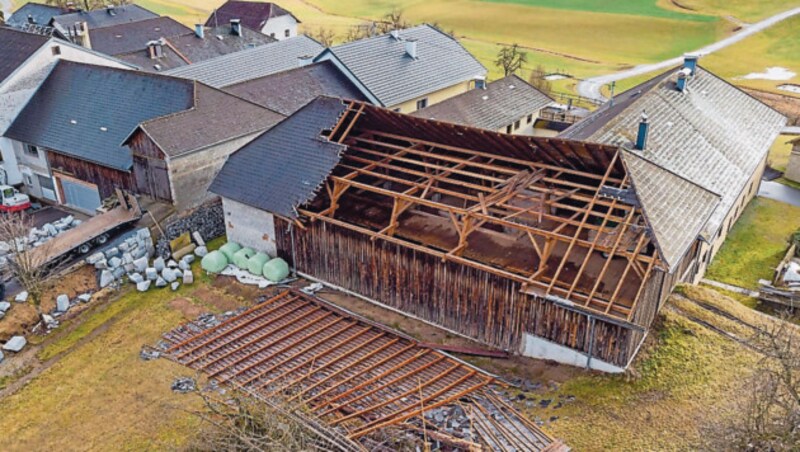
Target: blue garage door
[81, 196]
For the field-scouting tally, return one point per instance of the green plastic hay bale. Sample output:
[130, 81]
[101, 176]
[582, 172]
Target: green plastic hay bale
[229, 249]
[242, 257]
[276, 270]
[256, 264]
[214, 262]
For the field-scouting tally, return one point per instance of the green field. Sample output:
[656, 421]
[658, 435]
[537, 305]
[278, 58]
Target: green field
[633, 7]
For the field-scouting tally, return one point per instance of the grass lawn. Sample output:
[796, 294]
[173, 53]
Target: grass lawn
[778, 46]
[779, 152]
[756, 244]
[688, 377]
[746, 10]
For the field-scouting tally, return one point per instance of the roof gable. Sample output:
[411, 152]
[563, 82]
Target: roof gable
[39, 13]
[17, 48]
[250, 64]
[87, 111]
[382, 65]
[133, 36]
[217, 117]
[292, 158]
[105, 17]
[713, 134]
[254, 15]
[500, 104]
[287, 91]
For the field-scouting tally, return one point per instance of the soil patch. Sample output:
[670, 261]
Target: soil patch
[787, 105]
[221, 302]
[185, 306]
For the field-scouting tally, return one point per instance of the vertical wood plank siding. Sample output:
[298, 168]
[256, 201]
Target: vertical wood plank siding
[478, 304]
[106, 179]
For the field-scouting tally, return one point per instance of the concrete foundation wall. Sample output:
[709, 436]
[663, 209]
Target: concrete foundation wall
[250, 227]
[536, 347]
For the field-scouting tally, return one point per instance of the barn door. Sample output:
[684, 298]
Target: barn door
[152, 177]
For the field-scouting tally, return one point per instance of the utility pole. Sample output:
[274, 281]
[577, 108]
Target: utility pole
[613, 85]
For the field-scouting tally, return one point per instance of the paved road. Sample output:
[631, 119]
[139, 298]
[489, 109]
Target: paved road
[791, 130]
[591, 87]
[780, 192]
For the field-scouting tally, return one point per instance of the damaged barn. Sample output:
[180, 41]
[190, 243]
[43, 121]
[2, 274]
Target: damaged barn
[549, 248]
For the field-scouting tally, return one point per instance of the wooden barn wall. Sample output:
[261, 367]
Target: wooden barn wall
[106, 179]
[150, 168]
[478, 304]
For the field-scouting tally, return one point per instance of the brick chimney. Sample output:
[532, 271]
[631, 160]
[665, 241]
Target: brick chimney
[236, 27]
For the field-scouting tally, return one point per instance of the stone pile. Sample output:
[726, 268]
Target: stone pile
[184, 385]
[205, 221]
[115, 263]
[36, 237]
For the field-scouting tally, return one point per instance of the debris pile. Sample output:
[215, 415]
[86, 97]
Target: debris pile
[130, 260]
[184, 385]
[36, 237]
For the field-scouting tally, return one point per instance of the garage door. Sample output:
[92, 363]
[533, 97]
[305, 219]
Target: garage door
[81, 196]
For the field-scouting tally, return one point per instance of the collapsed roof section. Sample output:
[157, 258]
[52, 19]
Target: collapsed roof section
[560, 217]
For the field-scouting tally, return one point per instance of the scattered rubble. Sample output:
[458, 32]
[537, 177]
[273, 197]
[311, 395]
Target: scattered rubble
[15, 344]
[4, 306]
[184, 385]
[21, 297]
[148, 354]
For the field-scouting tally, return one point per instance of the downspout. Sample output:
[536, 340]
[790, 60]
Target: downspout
[294, 253]
[590, 319]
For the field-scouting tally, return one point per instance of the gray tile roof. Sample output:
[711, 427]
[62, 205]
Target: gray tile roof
[674, 208]
[130, 37]
[41, 14]
[141, 59]
[101, 18]
[382, 65]
[88, 111]
[286, 166]
[250, 64]
[287, 91]
[714, 134]
[16, 48]
[254, 15]
[499, 105]
[217, 117]
[218, 41]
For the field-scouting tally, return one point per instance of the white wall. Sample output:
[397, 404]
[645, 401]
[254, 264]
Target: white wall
[250, 227]
[17, 90]
[279, 25]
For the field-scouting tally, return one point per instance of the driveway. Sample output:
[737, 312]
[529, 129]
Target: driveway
[780, 192]
[591, 87]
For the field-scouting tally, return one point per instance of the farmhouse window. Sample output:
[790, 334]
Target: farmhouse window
[530, 118]
[422, 103]
[286, 33]
[31, 150]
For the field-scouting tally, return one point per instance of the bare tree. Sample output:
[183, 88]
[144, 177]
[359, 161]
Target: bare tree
[393, 20]
[769, 418]
[324, 36]
[538, 80]
[27, 262]
[511, 59]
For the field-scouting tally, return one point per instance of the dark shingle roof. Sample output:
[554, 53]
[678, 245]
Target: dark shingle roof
[382, 65]
[87, 111]
[713, 135]
[291, 161]
[254, 15]
[41, 14]
[217, 117]
[217, 42]
[286, 92]
[102, 18]
[130, 37]
[16, 48]
[500, 104]
[250, 64]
